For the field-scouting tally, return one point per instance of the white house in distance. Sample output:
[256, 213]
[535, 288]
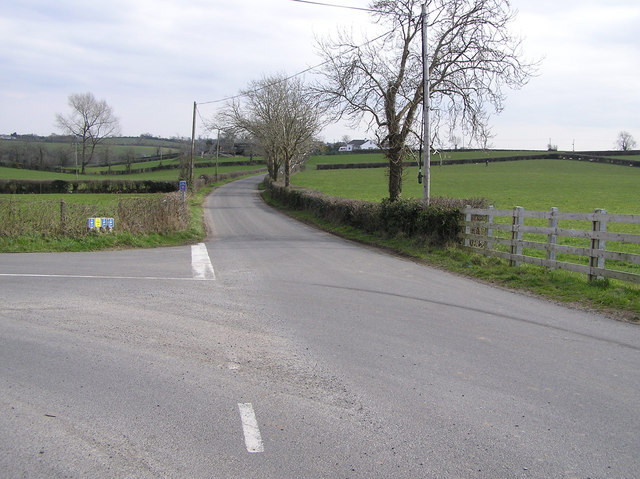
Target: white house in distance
[355, 145]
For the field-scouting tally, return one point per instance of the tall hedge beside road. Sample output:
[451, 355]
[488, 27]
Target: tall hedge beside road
[439, 223]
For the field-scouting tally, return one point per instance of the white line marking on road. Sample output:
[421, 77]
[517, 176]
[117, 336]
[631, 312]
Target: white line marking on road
[77, 276]
[200, 262]
[252, 438]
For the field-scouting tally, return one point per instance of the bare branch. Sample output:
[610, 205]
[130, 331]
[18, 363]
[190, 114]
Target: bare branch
[472, 57]
[281, 115]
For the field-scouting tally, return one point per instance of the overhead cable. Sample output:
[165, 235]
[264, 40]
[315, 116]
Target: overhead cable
[240, 95]
[335, 6]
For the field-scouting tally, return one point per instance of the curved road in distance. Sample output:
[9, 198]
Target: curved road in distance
[303, 356]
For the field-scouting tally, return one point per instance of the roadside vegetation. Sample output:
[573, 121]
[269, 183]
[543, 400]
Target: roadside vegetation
[58, 222]
[537, 185]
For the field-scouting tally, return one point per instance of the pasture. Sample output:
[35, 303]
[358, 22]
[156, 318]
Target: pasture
[571, 186]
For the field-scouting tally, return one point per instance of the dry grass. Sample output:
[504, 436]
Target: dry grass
[160, 214]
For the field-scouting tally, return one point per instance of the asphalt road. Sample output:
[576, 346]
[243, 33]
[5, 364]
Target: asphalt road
[277, 351]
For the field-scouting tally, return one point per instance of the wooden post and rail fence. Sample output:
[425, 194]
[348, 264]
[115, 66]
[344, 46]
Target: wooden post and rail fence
[503, 233]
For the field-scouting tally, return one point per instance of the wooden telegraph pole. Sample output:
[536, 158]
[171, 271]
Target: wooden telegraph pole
[193, 148]
[426, 146]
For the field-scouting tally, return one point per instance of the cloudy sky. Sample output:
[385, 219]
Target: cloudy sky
[151, 59]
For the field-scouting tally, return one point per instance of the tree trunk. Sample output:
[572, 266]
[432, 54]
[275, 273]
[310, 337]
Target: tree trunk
[83, 161]
[273, 168]
[394, 154]
[287, 171]
[269, 166]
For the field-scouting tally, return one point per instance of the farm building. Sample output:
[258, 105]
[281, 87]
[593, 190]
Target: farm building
[356, 145]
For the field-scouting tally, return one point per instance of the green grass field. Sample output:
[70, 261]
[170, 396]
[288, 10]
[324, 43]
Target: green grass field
[571, 186]
[117, 147]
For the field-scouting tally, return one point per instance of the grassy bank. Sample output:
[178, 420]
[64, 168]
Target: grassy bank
[194, 233]
[46, 233]
[613, 298]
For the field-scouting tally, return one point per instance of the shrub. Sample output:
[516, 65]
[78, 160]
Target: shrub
[155, 214]
[438, 223]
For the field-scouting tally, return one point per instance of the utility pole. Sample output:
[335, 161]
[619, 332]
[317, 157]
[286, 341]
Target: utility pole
[75, 138]
[217, 152]
[426, 140]
[193, 148]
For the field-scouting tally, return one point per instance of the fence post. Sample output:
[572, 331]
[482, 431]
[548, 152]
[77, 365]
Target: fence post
[467, 227]
[516, 234]
[597, 245]
[62, 219]
[552, 238]
[490, 229]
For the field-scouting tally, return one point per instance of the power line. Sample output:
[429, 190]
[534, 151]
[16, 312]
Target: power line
[335, 6]
[240, 95]
[202, 120]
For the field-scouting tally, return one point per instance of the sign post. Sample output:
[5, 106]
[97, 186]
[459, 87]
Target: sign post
[183, 188]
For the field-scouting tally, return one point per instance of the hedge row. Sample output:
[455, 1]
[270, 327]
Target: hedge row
[82, 186]
[355, 166]
[8, 186]
[176, 166]
[435, 161]
[439, 223]
[542, 156]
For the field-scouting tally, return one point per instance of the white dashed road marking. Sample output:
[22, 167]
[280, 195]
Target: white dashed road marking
[252, 438]
[200, 262]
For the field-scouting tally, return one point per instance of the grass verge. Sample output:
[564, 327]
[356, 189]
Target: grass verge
[612, 298]
[195, 233]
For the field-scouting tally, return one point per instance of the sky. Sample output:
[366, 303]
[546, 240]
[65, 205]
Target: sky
[151, 59]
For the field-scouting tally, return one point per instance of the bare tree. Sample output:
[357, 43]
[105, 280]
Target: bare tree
[281, 116]
[625, 141]
[471, 57]
[91, 121]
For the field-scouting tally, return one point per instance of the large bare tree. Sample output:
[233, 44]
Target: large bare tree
[279, 113]
[91, 121]
[471, 57]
